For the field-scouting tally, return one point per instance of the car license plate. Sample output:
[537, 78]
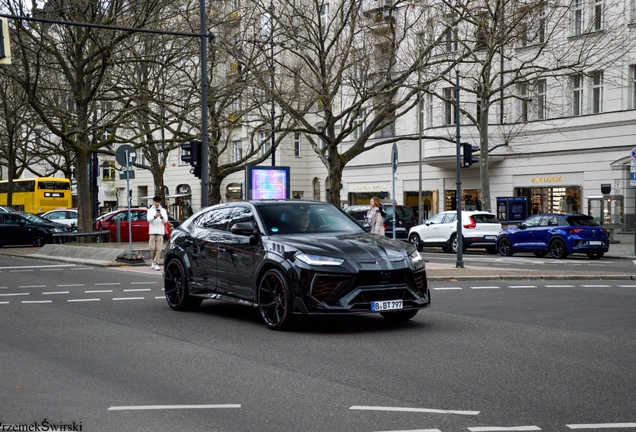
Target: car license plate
[490, 237]
[595, 243]
[400, 229]
[386, 305]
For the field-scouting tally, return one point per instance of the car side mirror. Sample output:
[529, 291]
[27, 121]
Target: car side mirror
[521, 226]
[245, 228]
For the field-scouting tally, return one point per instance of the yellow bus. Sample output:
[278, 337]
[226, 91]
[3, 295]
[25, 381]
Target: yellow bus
[38, 195]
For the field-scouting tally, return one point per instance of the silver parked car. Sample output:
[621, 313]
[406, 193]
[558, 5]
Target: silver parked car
[479, 230]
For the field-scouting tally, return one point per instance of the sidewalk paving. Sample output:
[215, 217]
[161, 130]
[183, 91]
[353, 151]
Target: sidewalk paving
[105, 255]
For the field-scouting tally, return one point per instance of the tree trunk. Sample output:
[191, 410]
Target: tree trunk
[84, 201]
[334, 180]
[483, 157]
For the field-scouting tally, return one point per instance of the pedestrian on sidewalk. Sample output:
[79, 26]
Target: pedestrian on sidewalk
[157, 217]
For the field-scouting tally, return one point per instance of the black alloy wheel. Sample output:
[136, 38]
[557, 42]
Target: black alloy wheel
[595, 255]
[455, 241]
[175, 282]
[38, 240]
[540, 254]
[558, 249]
[504, 246]
[275, 300]
[414, 239]
[399, 316]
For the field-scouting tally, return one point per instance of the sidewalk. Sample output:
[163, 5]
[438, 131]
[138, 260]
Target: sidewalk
[106, 254]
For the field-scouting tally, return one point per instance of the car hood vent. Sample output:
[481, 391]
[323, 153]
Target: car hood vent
[278, 248]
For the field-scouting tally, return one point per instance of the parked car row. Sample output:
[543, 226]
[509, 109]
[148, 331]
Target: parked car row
[556, 234]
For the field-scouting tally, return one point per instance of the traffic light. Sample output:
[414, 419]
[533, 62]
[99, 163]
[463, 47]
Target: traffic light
[5, 46]
[469, 159]
[193, 156]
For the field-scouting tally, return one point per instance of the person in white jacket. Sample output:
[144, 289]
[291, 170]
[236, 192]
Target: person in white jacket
[157, 216]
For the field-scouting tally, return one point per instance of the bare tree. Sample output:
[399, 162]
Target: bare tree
[510, 50]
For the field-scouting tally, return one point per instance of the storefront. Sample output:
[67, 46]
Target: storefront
[429, 203]
[471, 199]
[363, 194]
[234, 192]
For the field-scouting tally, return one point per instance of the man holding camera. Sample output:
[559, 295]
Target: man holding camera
[157, 216]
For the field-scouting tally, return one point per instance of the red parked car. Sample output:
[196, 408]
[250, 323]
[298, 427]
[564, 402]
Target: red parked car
[138, 221]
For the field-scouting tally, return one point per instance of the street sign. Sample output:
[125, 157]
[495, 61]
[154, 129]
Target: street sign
[633, 153]
[131, 175]
[120, 155]
[632, 166]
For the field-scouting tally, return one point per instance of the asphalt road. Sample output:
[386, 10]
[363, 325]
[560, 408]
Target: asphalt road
[100, 347]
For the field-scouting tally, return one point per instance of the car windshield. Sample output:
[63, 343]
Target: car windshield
[305, 218]
[35, 219]
[582, 221]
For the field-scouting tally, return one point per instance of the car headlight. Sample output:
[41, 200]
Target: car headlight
[415, 257]
[318, 260]
[56, 230]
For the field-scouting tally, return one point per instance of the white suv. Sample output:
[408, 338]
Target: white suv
[479, 230]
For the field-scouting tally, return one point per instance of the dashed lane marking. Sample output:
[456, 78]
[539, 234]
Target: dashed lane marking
[137, 290]
[32, 286]
[521, 286]
[596, 286]
[485, 287]
[627, 286]
[503, 428]
[171, 407]
[108, 283]
[83, 268]
[83, 300]
[97, 291]
[36, 301]
[129, 298]
[142, 283]
[415, 430]
[602, 426]
[14, 294]
[55, 292]
[20, 271]
[448, 288]
[71, 285]
[559, 286]
[160, 297]
[41, 267]
[406, 409]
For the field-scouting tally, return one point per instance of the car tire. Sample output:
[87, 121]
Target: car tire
[399, 316]
[558, 249]
[504, 246]
[595, 255]
[275, 300]
[176, 287]
[540, 254]
[414, 239]
[454, 244]
[491, 250]
[38, 240]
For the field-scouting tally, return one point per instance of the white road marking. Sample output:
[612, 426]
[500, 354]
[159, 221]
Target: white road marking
[108, 283]
[32, 286]
[71, 285]
[97, 291]
[83, 300]
[415, 430]
[55, 269]
[596, 286]
[55, 292]
[14, 294]
[622, 286]
[160, 297]
[129, 298]
[521, 286]
[170, 407]
[142, 283]
[136, 290]
[404, 409]
[37, 301]
[495, 428]
[447, 288]
[559, 286]
[20, 271]
[38, 267]
[601, 426]
[83, 268]
[485, 287]
[512, 428]
[4, 302]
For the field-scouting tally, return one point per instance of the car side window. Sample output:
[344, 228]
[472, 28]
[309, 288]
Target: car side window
[533, 221]
[543, 222]
[215, 219]
[240, 214]
[450, 218]
[438, 218]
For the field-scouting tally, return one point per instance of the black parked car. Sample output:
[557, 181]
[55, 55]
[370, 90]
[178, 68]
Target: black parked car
[403, 223]
[291, 257]
[19, 228]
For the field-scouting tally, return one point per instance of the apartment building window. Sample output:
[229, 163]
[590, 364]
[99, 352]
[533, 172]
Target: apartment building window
[598, 14]
[321, 143]
[577, 10]
[237, 150]
[236, 105]
[264, 141]
[541, 88]
[297, 144]
[597, 92]
[428, 97]
[632, 85]
[108, 171]
[358, 124]
[450, 34]
[577, 95]
[449, 106]
[421, 124]
[324, 17]
[541, 23]
[524, 101]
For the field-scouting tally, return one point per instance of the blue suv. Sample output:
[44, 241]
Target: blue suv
[556, 234]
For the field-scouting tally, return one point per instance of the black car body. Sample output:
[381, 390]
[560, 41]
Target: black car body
[403, 223]
[18, 228]
[254, 253]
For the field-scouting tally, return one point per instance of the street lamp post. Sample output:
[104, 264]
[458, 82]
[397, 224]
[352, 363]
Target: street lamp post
[460, 262]
[271, 82]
